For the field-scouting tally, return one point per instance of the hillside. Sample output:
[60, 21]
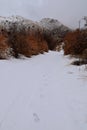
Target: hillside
[52, 24]
[21, 36]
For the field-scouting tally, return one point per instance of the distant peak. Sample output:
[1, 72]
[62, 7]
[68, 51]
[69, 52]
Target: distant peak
[50, 20]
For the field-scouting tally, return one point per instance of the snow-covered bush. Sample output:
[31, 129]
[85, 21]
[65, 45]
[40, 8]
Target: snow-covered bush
[5, 49]
[23, 36]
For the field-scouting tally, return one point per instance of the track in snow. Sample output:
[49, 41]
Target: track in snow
[42, 93]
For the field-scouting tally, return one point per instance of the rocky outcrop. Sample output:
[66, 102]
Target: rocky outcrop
[54, 31]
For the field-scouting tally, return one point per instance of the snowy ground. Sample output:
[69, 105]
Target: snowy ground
[43, 93]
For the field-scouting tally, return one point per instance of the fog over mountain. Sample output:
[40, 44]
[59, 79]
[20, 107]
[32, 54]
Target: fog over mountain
[68, 12]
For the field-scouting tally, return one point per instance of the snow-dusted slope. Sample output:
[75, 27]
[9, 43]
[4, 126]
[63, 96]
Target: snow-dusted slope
[42, 93]
[47, 23]
[7, 22]
[52, 24]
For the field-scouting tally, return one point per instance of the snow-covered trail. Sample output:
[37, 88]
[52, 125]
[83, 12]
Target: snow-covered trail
[42, 93]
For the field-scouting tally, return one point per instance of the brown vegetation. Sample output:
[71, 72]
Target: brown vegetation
[75, 42]
[51, 41]
[25, 42]
[76, 45]
[54, 38]
[5, 49]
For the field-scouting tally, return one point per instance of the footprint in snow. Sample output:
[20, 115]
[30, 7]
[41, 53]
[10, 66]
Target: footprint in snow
[36, 117]
[41, 96]
[70, 72]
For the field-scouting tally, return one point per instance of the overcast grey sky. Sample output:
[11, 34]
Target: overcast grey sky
[66, 11]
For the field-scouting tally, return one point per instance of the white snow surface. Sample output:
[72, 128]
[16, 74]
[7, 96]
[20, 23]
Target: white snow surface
[44, 92]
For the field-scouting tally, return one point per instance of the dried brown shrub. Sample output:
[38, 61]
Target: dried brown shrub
[51, 41]
[75, 42]
[27, 43]
[4, 47]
